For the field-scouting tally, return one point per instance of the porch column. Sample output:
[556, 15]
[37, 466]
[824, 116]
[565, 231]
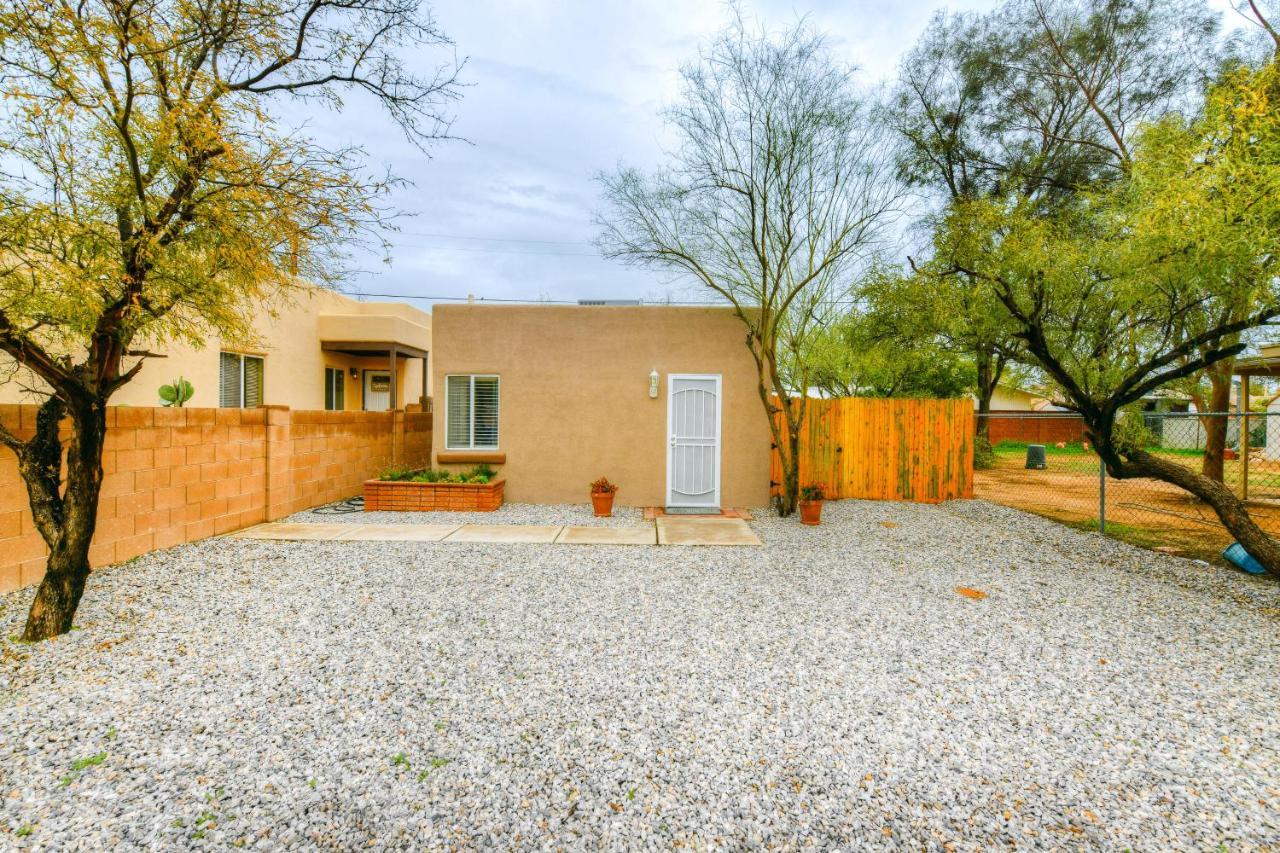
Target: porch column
[393, 377]
[424, 382]
[1244, 437]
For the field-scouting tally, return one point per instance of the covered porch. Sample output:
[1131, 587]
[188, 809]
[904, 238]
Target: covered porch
[384, 344]
[1265, 364]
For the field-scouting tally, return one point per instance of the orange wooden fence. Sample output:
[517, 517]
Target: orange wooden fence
[897, 450]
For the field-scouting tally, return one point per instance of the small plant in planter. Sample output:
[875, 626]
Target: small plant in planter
[602, 492]
[177, 393]
[398, 488]
[811, 498]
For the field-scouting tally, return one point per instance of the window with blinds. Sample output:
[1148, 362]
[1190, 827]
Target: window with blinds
[471, 412]
[335, 389]
[239, 381]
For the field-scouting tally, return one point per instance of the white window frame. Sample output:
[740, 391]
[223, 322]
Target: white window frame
[471, 411]
[241, 356]
[332, 382]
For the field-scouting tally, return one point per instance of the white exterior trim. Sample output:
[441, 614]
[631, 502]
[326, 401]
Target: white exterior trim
[471, 411]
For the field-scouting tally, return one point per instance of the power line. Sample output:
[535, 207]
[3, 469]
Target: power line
[507, 299]
[540, 301]
[510, 252]
[498, 239]
[455, 298]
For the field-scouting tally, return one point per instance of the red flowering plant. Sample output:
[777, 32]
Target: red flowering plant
[813, 492]
[603, 487]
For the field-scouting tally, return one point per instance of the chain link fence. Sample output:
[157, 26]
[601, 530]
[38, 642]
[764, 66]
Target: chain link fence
[1073, 486]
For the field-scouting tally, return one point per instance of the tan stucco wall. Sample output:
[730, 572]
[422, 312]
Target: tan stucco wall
[574, 395]
[293, 359]
[1006, 399]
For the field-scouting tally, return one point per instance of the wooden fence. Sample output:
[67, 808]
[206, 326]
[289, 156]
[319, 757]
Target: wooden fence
[897, 450]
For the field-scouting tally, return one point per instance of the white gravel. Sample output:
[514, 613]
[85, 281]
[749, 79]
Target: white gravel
[829, 689]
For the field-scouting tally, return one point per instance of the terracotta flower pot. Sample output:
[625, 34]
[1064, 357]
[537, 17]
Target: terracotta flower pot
[811, 512]
[602, 503]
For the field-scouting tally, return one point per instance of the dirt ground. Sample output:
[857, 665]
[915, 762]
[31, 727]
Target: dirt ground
[1146, 512]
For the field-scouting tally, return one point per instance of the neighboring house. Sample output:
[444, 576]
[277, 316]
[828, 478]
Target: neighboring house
[661, 400]
[322, 351]
[1008, 398]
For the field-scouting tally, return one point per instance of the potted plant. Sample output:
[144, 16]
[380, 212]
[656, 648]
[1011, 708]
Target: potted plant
[176, 394]
[811, 498]
[602, 492]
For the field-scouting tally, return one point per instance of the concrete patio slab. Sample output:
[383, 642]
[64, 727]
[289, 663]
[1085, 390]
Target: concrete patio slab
[294, 532]
[505, 533]
[398, 533]
[573, 535]
[673, 530]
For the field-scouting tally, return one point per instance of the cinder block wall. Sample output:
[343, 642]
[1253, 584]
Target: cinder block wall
[177, 475]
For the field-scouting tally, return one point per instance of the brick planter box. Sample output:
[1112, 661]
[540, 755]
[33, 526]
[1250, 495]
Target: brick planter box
[403, 496]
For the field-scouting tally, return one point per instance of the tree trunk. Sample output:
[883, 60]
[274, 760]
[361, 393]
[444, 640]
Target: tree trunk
[65, 522]
[790, 475]
[1230, 509]
[1215, 427]
[987, 379]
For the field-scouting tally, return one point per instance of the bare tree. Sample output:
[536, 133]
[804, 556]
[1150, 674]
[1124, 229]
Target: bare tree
[152, 196]
[774, 198]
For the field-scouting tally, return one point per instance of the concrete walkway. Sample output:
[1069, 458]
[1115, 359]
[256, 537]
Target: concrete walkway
[663, 531]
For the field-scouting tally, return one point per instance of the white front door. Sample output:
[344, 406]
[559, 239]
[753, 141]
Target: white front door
[377, 390]
[693, 439]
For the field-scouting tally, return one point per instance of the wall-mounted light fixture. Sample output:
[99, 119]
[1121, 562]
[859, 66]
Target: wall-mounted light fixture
[355, 373]
[653, 384]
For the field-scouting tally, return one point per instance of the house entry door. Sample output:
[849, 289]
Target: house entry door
[693, 439]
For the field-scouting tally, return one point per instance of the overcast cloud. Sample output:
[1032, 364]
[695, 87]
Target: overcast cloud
[557, 92]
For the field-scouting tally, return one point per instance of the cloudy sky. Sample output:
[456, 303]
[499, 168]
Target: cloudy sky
[557, 91]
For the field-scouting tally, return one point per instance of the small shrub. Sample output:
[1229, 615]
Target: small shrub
[177, 393]
[482, 473]
[1130, 432]
[479, 474]
[813, 492]
[603, 487]
[984, 456]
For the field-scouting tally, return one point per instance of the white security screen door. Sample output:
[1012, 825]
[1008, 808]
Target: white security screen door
[377, 390]
[693, 438]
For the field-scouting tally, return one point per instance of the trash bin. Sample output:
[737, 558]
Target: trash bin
[1036, 456]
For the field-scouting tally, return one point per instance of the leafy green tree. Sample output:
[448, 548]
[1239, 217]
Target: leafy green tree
[1140, 284]
[148, 195]
[866, 354]
[777, 191]
[1031, 102]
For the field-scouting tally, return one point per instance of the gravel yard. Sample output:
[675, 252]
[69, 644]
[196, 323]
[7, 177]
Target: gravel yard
[831, 688]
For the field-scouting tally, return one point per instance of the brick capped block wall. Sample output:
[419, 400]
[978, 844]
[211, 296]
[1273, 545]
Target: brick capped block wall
[177, 475]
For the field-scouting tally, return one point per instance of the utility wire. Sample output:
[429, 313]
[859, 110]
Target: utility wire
[537, 301]
[506, 299]
[497, 239]
[509, 252]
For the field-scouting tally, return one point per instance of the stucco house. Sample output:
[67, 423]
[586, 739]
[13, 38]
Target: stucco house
[661, 400]
[1011, 398]
[322, 351]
